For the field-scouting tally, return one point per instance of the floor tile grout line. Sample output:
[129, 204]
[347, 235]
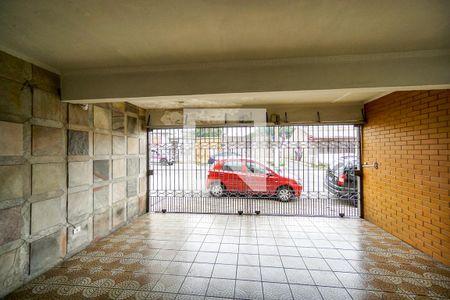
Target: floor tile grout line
[209, 281]
[331, 269]
[259, 263]
[198, 251]
[237, 260]
[163, 273]
[284, 269]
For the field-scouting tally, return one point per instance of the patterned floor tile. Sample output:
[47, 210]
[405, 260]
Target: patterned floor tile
[221, 288]
[177, 256]
[276, 291]
[248, 290]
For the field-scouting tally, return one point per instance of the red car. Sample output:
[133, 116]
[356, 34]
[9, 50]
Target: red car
[246, 176]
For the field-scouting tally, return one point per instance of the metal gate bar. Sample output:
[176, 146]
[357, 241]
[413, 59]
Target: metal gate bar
[254, 166]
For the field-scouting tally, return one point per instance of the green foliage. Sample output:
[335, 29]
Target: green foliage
[284, 132]
[208, 132]
[287, 132]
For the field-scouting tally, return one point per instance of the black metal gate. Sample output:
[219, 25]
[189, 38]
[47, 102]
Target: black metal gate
[277, 170]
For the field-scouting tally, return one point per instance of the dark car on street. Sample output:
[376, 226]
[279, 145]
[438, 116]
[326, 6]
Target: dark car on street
[342, 182]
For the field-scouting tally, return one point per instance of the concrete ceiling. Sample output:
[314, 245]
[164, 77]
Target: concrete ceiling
[85, 34]
[222, 53]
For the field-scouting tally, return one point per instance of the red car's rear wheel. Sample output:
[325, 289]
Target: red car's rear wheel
[216, 189]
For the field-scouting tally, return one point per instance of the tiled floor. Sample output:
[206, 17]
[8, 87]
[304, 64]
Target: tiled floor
[177, 256]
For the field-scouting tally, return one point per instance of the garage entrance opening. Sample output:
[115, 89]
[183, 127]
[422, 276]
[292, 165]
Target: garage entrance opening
[309, 170]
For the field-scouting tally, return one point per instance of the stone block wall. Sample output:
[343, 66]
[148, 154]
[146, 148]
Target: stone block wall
[104, 151]
[33, 189]
[61, 166]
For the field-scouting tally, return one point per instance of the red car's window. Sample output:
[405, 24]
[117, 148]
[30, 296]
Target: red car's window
[233, 166]
[255, 168]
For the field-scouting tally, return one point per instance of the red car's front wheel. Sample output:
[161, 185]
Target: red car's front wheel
[285, 193]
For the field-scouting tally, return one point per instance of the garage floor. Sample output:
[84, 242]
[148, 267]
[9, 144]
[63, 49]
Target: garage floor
[168, 256]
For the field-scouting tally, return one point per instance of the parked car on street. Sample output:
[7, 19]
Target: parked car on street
[161, 157]
[342, 182]
[248, 177]
[223, 155]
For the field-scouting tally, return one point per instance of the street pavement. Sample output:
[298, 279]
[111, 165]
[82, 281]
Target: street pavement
[182, 188]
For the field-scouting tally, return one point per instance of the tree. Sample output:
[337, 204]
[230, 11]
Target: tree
[208, 132]
[284, 132]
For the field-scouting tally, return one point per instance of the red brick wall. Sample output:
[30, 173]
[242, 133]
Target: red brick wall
[408, 134]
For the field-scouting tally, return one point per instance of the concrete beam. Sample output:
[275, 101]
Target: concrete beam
[391, 70]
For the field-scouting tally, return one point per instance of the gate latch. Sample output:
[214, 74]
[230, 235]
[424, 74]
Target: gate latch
[150, 172]
[375, 165]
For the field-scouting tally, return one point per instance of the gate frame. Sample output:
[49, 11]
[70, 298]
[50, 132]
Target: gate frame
[358, 125]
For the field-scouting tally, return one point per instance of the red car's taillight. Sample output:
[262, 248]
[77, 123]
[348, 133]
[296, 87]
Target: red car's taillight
[341, 180]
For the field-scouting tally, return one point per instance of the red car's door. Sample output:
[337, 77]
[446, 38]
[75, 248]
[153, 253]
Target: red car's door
[232, 175]
[272, 182]
[256, 179]
[260, 179]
